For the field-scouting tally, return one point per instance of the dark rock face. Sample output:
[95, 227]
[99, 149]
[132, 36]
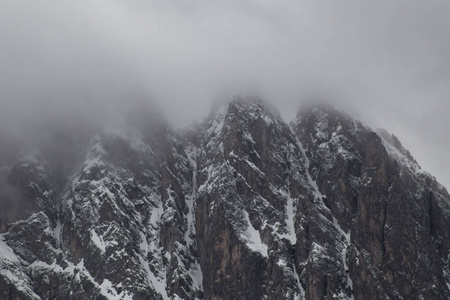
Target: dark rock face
[26, 187]
[244, 206]
[246, 166]
[377, 192]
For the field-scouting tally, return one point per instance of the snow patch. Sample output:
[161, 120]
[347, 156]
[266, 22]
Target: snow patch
[155, 216]
[98, 241]
[197, 276]
[57, 231]
[299, 285]
[281, 263]
[312, 182]
[6, 252]
[290, 213]
[254, 167]
[248, 136]
[158, 283]
[253, 238]
[107, 290]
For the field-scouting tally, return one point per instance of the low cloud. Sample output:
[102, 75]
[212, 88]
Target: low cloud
[78, 62]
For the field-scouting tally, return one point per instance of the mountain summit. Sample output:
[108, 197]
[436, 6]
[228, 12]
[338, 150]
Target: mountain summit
[244, 206]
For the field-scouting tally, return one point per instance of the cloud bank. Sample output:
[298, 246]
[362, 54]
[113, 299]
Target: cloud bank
[79, 61]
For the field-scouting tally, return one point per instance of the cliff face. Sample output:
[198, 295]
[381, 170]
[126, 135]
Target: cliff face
[384, 202]
[244, 206]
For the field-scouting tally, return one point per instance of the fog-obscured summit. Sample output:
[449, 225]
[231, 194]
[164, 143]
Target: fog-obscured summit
[242, 202]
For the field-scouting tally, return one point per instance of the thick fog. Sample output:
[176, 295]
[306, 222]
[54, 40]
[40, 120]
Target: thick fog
[77, 64]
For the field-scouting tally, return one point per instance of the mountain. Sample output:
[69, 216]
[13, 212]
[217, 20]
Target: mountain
[242, 206]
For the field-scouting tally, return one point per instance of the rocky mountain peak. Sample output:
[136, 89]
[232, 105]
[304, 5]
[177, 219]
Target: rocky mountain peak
[325, 122]
[243, 206]
[26, 186]
[252, 106]
[395, 142]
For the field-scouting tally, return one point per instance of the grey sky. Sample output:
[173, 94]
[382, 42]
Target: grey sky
[388, 62]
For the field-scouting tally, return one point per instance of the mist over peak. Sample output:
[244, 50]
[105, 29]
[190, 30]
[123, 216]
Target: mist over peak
[386, 63]
[324, 199]
[106, 192]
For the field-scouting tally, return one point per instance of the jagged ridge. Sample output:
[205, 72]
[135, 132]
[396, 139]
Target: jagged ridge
[244, 206]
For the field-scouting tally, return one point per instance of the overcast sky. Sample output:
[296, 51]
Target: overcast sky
[388, 62]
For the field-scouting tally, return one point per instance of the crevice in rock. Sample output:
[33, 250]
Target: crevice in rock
[430, 214]
[354, 204]
[383, 228]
